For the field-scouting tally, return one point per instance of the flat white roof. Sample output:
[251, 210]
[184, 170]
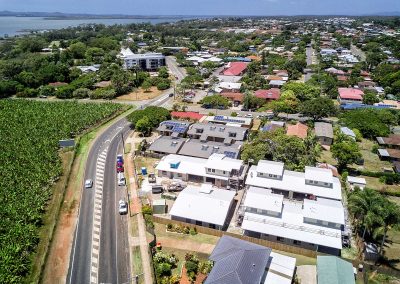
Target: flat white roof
[270, 167]
[221, 162]
[291, 225]
[196, 166]
[261, 198]
[294, 181]
[212, 207]
[325, 210]
[318, 174]
[280, 269]
[357, 180]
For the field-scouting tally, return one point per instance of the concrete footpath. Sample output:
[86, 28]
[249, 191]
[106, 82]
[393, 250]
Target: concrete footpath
[135, 211]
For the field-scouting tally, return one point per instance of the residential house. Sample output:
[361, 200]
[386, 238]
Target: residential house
[218, 170]
[217, 133]
[203, 206]
[196, 148]
[324, 133]
[238, 262]
[235, 69]
[268, 95]
[235, 98]
[187, 115]
[334, 270]
[173, 128]
[245, 122]
[350, 96]
[299, 130]
[165, 145]
[312, 224]
[389, 154]
[228, 87]
[392, 141]
[276, 83]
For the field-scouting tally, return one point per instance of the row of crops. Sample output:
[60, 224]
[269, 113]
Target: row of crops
[29, 162]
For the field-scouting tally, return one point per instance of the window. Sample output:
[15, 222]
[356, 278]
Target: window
[213, 170]
[296, 242]
[280, 239]
[224, 172]
[209, 170]
[325, 223]
[259, 211]
[212, 226]
[179, 175]
[164, 173]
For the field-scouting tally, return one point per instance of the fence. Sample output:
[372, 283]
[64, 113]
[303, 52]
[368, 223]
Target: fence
[218, 233]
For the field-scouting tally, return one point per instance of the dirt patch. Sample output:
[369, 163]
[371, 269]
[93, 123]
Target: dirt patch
[140, 95]
[200, 277]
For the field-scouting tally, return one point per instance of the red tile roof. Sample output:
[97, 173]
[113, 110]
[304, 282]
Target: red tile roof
[235, 68]
[350, 94]
[187, 115]
[58, 84]
[233, 96]
[299, 130]
[271, 94]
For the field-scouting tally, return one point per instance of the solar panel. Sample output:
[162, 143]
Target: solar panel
[230, 154]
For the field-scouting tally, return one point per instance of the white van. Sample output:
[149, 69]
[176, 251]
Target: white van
[121, 179]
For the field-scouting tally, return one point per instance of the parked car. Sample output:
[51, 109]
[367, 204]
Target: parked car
[122, 207]
[152, 178]
[157, 188]
[88, 183]
[120, 158]
[121, 179]
[120, 169]
[249, 115]
[171, 95]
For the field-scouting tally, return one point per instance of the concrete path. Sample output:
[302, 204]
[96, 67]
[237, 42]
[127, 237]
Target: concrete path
[307, 274]
[135, 208]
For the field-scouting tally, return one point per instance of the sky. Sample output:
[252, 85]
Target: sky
[205, 7]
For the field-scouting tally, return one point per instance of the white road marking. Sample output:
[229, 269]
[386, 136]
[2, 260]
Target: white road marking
[97, 212]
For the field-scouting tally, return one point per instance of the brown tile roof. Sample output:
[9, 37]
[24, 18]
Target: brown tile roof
[299, 130]
[393, 139]
[233, 96]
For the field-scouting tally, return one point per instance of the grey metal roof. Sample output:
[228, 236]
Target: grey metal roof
[196, 148]
[323, 129]
[220, 131]
[167, 144]
[347, 131]
[238, 262]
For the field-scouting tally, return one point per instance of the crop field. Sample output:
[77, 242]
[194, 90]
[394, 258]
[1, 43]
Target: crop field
[29, 165]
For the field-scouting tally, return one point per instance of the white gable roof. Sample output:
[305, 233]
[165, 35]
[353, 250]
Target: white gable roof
[319, 174]
[270, 167]
[261, 198]
[325, 210]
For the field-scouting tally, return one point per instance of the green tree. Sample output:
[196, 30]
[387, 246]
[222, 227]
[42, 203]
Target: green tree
[144, 126]
[122, 81]
[215, 101]
[146, 85]
[370, 98]
[318, 108]
[302, 91]
[81, 93]
[47, 91]
[346, 152]
[163, 72]
[78, 50]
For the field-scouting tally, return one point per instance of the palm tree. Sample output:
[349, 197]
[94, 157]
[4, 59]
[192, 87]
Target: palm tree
[390, 218]
[364, 205]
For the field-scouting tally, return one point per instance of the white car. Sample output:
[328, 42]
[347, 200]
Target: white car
[88, 183]
[122, 207]
[121, 179]
[249, 115]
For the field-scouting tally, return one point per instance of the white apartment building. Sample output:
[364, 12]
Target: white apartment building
[295, 185]
[218, 170]
[296, 208]
[146, 61]
[312, 224]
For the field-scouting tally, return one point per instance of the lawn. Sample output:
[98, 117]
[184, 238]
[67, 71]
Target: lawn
[146, 162]
[137, 263]
[141, 95]
[374, 183]
[371, 161]
[392, 248]
[326, 157]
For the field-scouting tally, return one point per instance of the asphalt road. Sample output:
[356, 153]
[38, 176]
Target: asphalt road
[114, 261]
[80, 261]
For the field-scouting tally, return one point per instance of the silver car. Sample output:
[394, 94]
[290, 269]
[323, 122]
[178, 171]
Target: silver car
[123, 207]
[88, 183]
